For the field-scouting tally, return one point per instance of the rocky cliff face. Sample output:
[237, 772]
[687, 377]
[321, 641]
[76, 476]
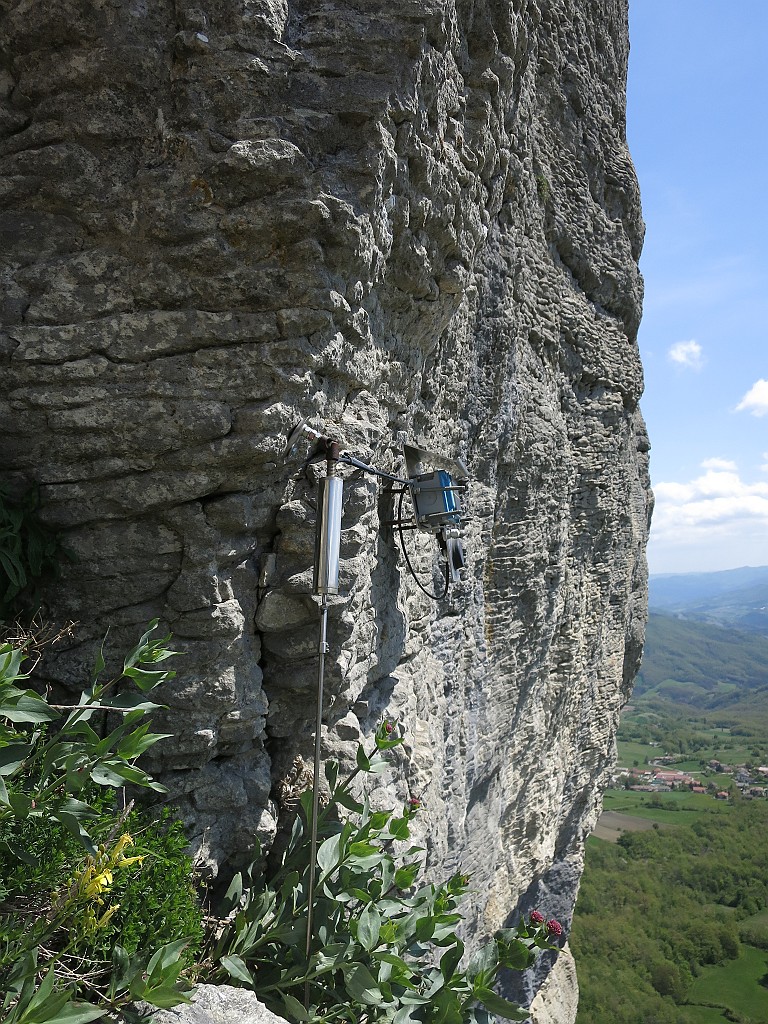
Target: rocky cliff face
[218, 218]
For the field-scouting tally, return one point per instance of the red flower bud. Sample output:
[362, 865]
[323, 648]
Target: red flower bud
[554, 927]
[537, 917]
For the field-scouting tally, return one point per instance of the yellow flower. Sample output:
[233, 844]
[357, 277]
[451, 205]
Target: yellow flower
[117, 859]
[94, 879]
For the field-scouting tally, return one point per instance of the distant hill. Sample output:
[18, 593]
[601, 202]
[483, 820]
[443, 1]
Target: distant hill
[703, 665]
[736, 598]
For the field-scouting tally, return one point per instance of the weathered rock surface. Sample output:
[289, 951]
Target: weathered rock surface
[386, 216]
[219, 1004]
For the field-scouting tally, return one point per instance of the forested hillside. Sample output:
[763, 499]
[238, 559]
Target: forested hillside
[660, 909]
[704, 665]
[671, 925]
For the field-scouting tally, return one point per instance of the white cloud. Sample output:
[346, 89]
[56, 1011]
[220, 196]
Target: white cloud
[688, 354]
[721, 464]
[717, 507]
[755, 400]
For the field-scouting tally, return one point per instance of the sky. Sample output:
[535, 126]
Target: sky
[697, 125]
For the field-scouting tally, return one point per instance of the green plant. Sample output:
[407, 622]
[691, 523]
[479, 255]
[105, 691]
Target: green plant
[85, 926]
[44, 772]
[383, 946]
[158, 903]
[150, 905]
[28, 552]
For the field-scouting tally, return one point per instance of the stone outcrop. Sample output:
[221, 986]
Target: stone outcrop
[388, 217]
[218, 1004]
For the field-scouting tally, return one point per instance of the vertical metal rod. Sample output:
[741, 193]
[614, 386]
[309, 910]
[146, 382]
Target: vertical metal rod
[322, 650]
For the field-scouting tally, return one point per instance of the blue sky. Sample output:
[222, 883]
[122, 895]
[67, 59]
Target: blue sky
[698, 133]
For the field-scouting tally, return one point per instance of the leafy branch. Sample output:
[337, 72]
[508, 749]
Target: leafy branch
[385, 948]
[51, 762]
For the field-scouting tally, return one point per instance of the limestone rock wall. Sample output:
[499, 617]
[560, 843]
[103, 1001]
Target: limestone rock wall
[385, 215]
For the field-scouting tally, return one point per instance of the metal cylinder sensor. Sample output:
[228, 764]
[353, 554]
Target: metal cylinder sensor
[328, 535]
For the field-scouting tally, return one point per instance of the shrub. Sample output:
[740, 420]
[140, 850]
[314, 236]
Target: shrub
[84, 915]
[382, 945]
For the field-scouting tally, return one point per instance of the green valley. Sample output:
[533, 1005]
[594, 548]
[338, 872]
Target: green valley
[671, 924]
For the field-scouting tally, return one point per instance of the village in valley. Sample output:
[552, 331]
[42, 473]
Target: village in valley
[658, 776]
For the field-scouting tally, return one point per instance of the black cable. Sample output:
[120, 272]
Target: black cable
[350, 460]
[433, 597]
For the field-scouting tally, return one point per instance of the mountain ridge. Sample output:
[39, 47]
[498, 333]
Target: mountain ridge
[735, 598]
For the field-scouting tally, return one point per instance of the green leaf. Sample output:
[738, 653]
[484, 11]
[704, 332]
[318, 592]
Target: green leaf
[233, 894]
[29, 708]
[382, 744]
[139, 741]
[3, 793]
[502, 1007]
[398, 828]
[166, 956]
[362, 849]
[368, 928]
[127, 773]
[10, 662]
[483, 961]
[305, 801]
[103, 775]
[236, 968]
[165, 997]
[332, 773]
[21, 804]
[347, 800]
[294, 1007]
[12, 756]
[328, 854]
[131, 702]
[135, 656]
[147, 679]
[72, 825]
[363, 761]
[516, 955]
[99, 663]
[103, 746]
[449, 961]
[13, 569]
[76, 1013]
[45, 1003]
[361, 984]
[19, 853]
[81, 728]
[379, 819]
[332, 954]
[406, 875]
[121, 966]
[448, 1008]
[405, 1015]
[78, 807]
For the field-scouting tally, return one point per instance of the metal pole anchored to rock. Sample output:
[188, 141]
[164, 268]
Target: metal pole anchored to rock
[326, 582]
